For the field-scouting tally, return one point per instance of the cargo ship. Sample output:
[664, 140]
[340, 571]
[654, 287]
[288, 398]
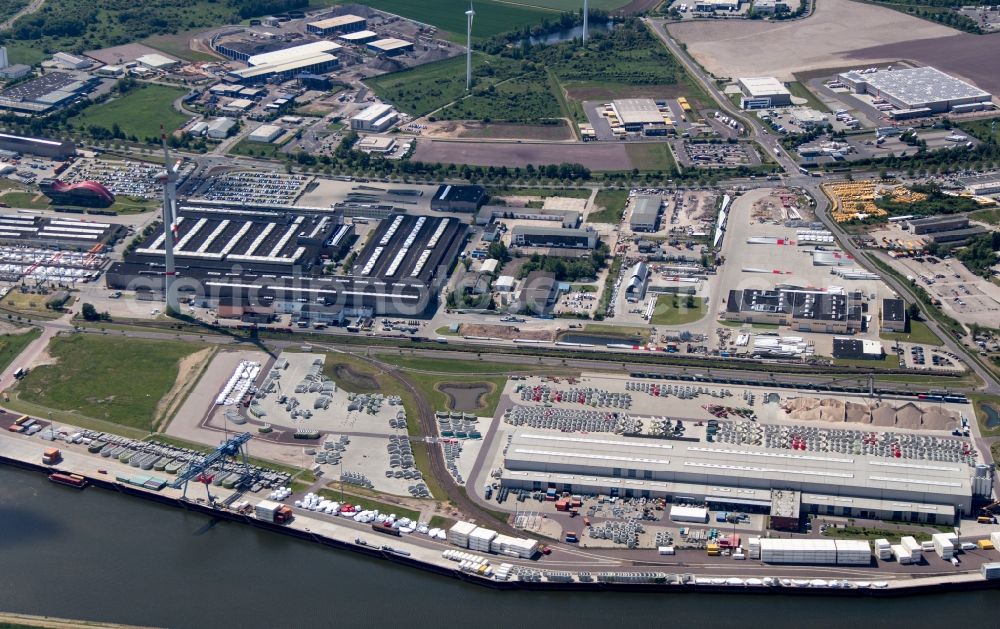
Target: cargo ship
[72, 480]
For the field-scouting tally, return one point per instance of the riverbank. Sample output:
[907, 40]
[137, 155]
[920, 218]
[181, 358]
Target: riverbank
[592, 571]
[47, 622]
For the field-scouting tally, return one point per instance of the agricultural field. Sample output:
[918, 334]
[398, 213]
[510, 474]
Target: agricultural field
[492, 17]
[96, 377]
[526, 99]
[138, 113]
[424, 89]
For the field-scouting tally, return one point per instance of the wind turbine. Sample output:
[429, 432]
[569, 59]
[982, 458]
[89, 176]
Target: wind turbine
[169, 181]
[585, 21]
[471, 13]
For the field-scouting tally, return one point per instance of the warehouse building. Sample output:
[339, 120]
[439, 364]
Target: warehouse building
[553, 237]
[47, 93]
[934, 224]
[220, 128]
[156, 61]
[53, 149]
[893, 315]
[377, 118]
[537, 294]
[918, 91]
[763, 92]
[569, 219]
[458, 198]
[251, 258]
[711, 6]
[71, 62]
[287, 63]
[801, 309]
[359, 38]
[41, 232]
[857, 349]
[335, 25]
[266, 133]
[958, 237]
[645, 213]
[636, 114]
[743, 477]
[390, 46]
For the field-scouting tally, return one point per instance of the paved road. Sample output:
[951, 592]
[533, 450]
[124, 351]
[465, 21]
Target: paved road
[33, 6]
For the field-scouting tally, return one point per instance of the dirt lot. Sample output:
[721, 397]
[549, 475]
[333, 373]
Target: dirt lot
[593, 155]
[118, 54]
[507, 332]
[831, 36]
[971, 57]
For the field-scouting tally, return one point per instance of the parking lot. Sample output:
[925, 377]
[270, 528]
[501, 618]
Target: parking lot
[965, 296]
[257, 187]
[126, 178]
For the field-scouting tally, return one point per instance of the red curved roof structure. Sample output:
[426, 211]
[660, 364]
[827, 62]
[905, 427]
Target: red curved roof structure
[90, 188]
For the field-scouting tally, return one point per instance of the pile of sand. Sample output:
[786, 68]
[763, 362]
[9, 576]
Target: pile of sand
[886, 414]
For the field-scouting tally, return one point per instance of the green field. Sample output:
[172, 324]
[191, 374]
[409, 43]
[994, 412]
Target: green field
[612, 204]
[492, 17]
[11, 345]
[572, 193]
[888, 361]
[655, 156]
[139, 113]
[801, 91]
[134, 205]
[526, 99]
[991, 216]
[256, 149]
[674, 310]
[27, 200]
[112, 379]
[982, 128]
[421, 90]
[919, 333]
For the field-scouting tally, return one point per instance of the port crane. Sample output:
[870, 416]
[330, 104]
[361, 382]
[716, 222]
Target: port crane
[198, 470]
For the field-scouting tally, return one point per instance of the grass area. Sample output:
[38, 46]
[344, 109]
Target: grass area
[30, 304]
[79, 25]
[177, 46]
[492, 17]
[429, 87]
[24, 52]
[440, 522]
[755, 326]
[11, 345]
[801, 91]
[678, 310]
[526, 99]
[572, 193]
[134, 205]
[888, 361]
[139, 112]
[893, 535]
[27, 200]
[612, 204]
[654, 156]
[113, 379]
[333, 127]
[980, 400]
[981, 129]
[919, 333]
[624, 331]
[990, 216]
[445, 330]
[367, 503]
[256, 149]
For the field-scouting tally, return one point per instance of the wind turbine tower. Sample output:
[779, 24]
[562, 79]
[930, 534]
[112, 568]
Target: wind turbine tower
[468, 43]
[585, 21]
[169, 181]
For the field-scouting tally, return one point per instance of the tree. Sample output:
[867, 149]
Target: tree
[90, 313]
[913, 312]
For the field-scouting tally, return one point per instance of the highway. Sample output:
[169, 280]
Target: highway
[794, 177]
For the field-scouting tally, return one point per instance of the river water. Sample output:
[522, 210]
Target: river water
[97, 555]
